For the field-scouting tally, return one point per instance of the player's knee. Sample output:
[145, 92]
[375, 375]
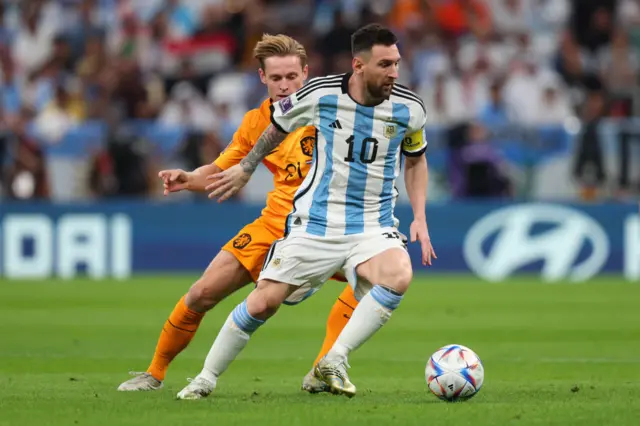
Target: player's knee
[261, 309]
[398, 276]
[202, 297]
[403, 279]
[263, 303]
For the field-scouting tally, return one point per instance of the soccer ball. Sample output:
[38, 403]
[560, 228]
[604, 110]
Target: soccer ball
[454, 373]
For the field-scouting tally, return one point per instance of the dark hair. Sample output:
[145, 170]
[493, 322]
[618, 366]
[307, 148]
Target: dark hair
[368, 36]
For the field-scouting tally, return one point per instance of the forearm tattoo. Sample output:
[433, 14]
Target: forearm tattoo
[266, 143]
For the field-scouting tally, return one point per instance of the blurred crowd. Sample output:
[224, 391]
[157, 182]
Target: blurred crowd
[479, 65]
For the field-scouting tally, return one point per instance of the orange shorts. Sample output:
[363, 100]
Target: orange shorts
[252, 243]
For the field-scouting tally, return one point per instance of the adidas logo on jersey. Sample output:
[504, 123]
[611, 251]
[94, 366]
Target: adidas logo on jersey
[336, 125]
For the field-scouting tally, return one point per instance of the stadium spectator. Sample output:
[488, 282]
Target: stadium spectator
[589, 163]
[74, 64]
[478, 170]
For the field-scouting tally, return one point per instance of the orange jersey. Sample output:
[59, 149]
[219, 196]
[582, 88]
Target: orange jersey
[289, 162]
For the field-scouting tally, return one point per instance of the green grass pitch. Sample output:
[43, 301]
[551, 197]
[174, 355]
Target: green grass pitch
[562, 354]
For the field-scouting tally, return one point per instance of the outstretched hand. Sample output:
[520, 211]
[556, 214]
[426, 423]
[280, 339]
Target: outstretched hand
[174, 180]
[418, 232]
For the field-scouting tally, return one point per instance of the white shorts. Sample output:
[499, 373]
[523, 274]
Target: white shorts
[308, 261]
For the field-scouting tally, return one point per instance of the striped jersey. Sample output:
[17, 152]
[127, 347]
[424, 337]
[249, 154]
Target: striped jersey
[350, 188]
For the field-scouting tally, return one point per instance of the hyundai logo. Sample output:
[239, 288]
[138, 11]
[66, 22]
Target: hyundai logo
[516, 246]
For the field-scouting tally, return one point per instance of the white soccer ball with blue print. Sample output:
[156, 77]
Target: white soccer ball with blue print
[454, 373]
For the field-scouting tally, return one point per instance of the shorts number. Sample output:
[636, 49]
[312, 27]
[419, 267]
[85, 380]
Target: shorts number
[396, 236]
[368, 144]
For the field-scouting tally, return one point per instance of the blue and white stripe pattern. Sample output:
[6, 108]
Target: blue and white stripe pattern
[357, 160]
[386, 297]
[320, 195]
[392, 166]
[244, 320]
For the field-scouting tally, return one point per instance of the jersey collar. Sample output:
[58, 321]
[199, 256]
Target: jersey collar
[345, 83]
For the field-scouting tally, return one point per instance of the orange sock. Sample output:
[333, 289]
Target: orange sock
[175, 336]
[338, 319]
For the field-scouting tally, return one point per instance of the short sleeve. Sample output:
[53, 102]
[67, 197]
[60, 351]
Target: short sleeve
[415, 142]
[418, 117]
[294, 111]
[237, 149]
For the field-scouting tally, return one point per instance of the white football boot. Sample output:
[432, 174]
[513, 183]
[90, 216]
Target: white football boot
[142, 382]
[197, 388]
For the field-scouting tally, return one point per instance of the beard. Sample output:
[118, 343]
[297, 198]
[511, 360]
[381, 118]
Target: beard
[379, 92]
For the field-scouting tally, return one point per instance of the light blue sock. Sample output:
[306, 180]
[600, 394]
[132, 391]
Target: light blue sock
[244, 320]
[386, 297]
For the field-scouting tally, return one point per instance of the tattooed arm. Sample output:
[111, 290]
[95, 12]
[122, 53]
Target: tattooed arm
[226, 184]
[266, 143]
[287, 115]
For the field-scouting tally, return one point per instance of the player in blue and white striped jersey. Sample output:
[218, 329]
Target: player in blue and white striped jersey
[342, 220]
[350, 189]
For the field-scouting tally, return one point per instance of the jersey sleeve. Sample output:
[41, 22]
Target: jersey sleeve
[295, 111]
[237, 149]
[414, 143]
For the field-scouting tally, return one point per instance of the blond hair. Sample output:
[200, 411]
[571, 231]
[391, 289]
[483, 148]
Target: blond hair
[278, 45]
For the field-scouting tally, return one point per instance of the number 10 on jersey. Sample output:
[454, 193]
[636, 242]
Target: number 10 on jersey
[368, 150]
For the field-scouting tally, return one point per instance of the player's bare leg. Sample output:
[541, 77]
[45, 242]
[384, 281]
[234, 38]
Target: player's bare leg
[224, 275]
[338, 317]
[246, 318]
[391, 273]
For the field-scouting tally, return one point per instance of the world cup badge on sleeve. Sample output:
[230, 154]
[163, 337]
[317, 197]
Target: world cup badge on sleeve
[286, 104]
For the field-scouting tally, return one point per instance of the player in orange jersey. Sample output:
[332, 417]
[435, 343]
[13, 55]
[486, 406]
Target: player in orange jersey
[283, 70]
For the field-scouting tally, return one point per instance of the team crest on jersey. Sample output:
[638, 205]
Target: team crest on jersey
[390, 130]
[286, 104]
[241, 241]
[307, 145]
